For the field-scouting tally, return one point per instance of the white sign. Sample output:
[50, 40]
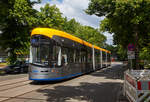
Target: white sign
[131, 54]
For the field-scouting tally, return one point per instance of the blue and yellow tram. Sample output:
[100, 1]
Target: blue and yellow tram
[56, 55]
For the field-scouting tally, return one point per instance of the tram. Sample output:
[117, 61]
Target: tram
[57, 55]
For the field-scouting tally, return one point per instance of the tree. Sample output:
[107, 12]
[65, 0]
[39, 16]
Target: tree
[18, 18]
[145, 54]
[117, 52]
[128, 19]
[50, 16]
[91, 35]
[86, 33]
[71, 26]
[15, 25]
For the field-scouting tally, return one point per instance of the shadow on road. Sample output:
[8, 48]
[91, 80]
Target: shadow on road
[89, 92]
[114, 72]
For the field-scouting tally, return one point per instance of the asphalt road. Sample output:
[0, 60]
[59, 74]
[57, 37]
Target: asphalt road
[4, 77]
[101, 86]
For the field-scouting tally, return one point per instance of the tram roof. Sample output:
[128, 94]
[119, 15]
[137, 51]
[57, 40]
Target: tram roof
[51, 32]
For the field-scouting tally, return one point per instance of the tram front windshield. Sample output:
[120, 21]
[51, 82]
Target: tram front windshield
[40, 50]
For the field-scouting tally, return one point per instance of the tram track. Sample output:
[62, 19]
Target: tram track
[99, 81]
[7, 77]
[21, 89]
[21, 98]
[7, 98]
[14, 89]
[18, 90]
[13, 81]
[14, 85]
[17, 95]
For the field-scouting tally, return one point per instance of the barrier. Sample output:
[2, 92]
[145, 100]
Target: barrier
[137, 85]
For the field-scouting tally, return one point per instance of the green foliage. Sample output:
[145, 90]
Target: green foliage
[145, 53]
[15, 30]
[86, 33]
[128, 20]
[50, 16]
[91, 35]
[122, 53]
[17, 18]
[71, 26]
[117, 52]
[123, 18]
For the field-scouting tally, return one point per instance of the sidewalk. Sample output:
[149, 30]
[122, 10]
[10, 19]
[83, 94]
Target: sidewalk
[121, 97]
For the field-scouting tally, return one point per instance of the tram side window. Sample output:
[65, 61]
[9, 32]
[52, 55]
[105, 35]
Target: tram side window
[78, 57]
[74, 56]
[97, 58]
[65, 56]
[55, 53]
[104, 56]
[70, 55]
[109, 57]
[100, 57]
[95, 55]
[83, 56]
[56, 56]
[89, 56]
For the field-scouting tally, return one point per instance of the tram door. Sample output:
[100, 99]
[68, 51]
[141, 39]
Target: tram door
[65, 61]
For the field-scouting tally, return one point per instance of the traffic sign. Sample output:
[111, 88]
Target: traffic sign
[131, 54]
[131, 47]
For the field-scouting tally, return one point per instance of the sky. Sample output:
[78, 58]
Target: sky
[75, 9]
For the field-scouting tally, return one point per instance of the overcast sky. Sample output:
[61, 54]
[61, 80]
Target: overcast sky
[75, 9]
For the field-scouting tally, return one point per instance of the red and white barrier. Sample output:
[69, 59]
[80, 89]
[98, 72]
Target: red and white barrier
[137, 85]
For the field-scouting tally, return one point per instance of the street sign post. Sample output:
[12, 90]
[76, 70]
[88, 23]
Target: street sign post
[131, 53]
